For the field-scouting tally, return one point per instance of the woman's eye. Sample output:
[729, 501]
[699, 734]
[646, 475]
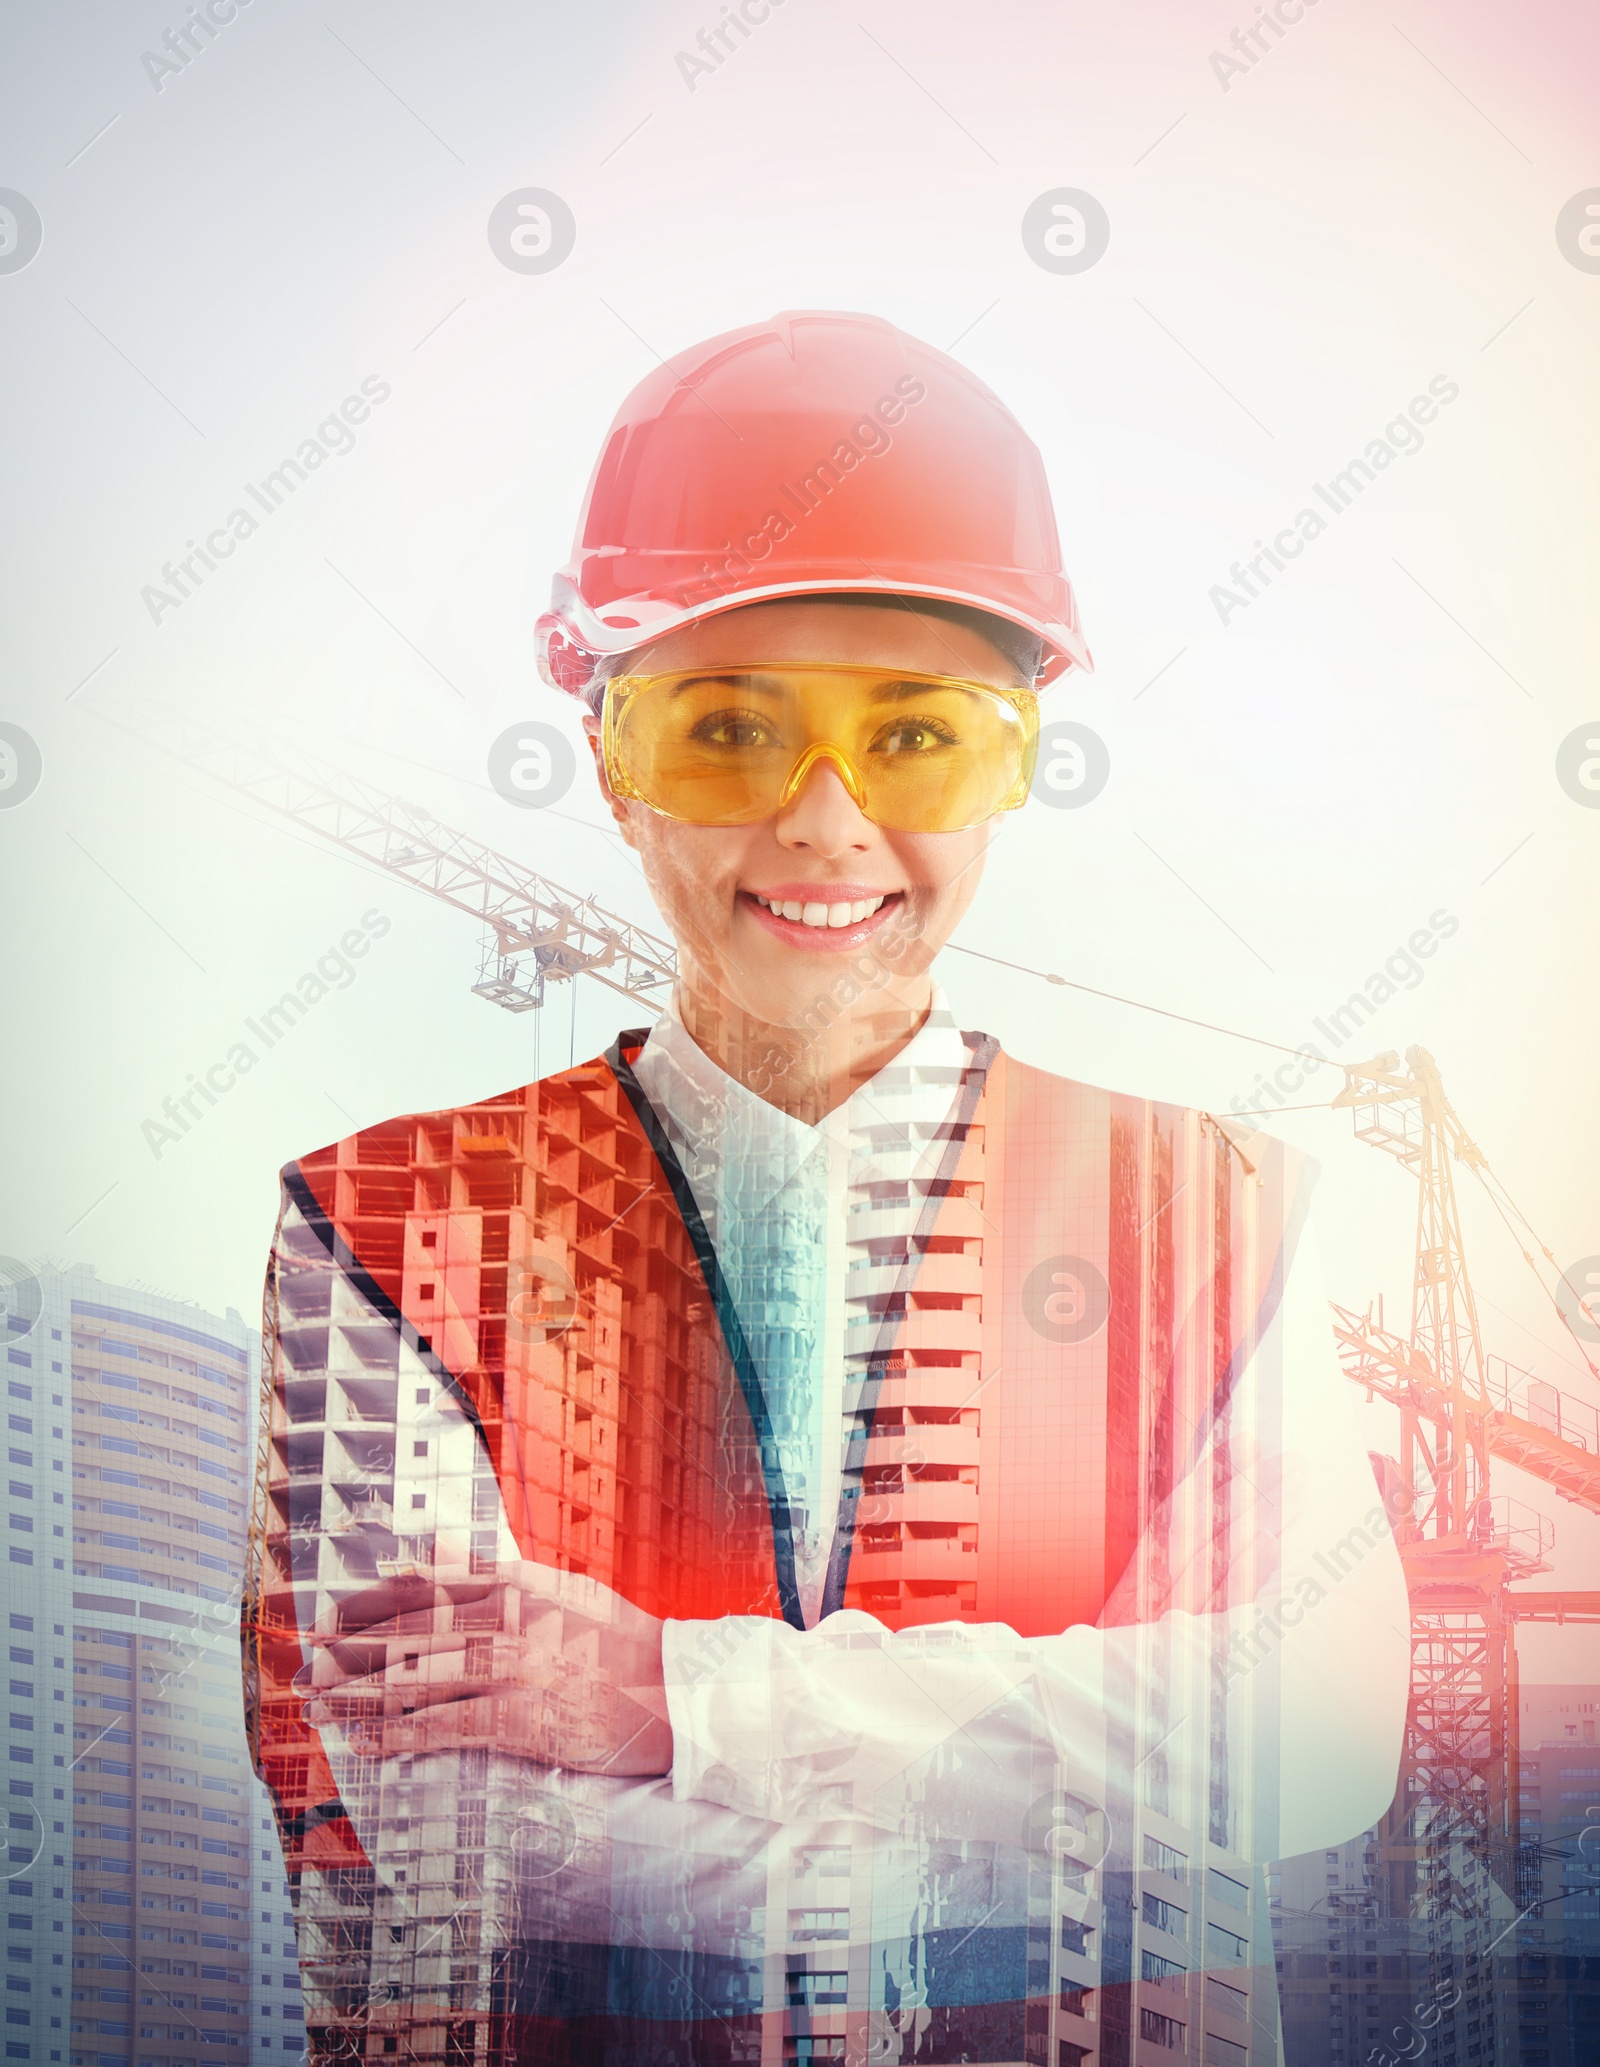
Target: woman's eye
[745, 730]
[912, 736]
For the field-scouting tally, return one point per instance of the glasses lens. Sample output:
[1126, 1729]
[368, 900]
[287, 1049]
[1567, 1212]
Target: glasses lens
[928, 754]
[711, 749]
[935, 756]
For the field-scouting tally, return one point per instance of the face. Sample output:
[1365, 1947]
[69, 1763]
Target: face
[769, 916]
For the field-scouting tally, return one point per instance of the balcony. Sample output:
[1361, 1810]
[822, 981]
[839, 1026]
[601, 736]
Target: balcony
[374, 1513]
[943, 1501]
[923, 1442]
[937, 1557]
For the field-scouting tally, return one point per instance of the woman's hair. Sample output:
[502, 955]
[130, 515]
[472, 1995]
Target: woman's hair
[1021, 649]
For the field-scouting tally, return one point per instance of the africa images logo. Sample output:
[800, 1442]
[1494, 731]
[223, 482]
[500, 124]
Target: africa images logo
[867, 438]
[334, 438]
[1401, 438]
[335, 970]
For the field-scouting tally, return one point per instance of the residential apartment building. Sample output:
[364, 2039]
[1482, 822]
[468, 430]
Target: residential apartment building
[148, 1924]
[1557, 1995]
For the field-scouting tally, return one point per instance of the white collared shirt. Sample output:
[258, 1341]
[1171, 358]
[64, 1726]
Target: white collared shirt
[777, 1197]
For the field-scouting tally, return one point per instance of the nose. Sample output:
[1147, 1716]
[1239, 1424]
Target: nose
[822, 817]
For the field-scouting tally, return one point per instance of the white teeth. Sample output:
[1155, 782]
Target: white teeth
[819, 914]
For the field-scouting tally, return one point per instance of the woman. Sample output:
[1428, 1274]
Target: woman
[805, 1537]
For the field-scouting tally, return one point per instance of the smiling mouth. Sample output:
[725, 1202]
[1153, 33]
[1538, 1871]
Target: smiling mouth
[825, 917]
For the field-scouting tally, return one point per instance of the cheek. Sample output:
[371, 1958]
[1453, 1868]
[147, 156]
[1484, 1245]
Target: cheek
[689, 869]
[944, 867]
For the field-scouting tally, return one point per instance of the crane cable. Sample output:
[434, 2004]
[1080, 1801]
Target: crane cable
[1480, 1169]
[1244, 1112]
[1138, 1005]
[1483, 1175]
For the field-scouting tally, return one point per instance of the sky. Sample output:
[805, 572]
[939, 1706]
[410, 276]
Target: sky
[1367, 211]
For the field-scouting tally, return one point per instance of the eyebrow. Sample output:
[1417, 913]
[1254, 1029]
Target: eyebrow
[711, 675]
[891, 690]
[908, 692]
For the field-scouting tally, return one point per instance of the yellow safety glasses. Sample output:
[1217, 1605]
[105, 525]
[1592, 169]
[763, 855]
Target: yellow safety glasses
[732, 745]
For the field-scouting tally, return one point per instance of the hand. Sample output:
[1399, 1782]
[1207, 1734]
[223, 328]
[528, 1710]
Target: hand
[547, 1664]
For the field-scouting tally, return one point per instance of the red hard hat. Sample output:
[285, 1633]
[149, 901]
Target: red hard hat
[816, 453]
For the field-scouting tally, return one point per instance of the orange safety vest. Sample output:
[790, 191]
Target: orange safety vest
[1089, 1274]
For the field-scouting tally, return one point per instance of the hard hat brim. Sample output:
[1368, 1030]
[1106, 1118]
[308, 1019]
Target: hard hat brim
[632, 622]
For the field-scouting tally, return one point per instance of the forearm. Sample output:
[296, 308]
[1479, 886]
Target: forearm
[852, 1719]
[1309, 1640]
[555, 1666]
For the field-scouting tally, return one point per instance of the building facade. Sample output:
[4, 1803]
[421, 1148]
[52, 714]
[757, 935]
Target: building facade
[1557, 1992]
[478, 1881]
[149, 1920]
[1373, 1969]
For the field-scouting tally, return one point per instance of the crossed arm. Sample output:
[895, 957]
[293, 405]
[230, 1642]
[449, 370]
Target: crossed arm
[570, 1676]
[852, 1718]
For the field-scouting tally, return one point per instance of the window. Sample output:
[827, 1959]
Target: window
[1160, 2030]
[1075, 1936]
[1152, 1967]
[1232, 2002]
[1165, 1916]
[1222, 2052]
[828, 1859]
[1163, 1859]
[813, 1990]
[807, 1924]
[1222, 1888]
[1224, 1948]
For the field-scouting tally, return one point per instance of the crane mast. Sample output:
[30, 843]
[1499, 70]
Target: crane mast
[1444, 1470]
[1461, 1546]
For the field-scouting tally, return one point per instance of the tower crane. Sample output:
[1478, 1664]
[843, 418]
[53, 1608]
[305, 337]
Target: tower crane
[1461, 1547]
[1464, 1550]
[535, 933]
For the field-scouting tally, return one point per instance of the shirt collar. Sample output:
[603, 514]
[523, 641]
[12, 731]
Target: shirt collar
[713, 1120]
